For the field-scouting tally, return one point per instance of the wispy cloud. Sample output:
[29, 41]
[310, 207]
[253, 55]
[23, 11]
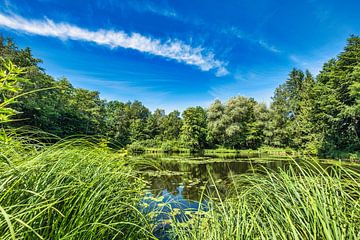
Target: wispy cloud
[268, 46]
[167, 11]
[313, 64]
[171, 49]
[251, 38]
[147, 6]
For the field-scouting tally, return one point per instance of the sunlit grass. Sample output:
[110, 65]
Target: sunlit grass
[302, 202]
[78, 189]
[70, 190]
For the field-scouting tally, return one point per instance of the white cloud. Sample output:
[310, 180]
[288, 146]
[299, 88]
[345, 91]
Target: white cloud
[147, 6]
[253, 39]
[269, 47]
[171, 49]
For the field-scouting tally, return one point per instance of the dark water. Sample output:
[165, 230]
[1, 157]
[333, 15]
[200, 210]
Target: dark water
[202, 177]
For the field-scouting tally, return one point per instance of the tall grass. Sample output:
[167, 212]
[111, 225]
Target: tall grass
[70, 190]
[76, 189]
[302, 202]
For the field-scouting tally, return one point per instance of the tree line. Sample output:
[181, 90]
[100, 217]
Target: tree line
[318, 114]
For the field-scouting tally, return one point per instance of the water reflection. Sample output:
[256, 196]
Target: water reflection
[199, 178]
[166, 207]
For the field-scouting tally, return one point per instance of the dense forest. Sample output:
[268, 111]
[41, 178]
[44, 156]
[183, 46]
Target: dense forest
[316, 114]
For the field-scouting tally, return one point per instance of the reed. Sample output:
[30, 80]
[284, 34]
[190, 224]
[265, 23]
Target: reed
[79, 189]
[301, 202]
[71, 190]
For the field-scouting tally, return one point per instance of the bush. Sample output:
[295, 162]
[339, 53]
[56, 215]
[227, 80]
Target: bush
[154, 145]
[136, 147]
[173, 147]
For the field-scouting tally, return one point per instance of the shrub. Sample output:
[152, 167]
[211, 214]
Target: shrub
[136, 147]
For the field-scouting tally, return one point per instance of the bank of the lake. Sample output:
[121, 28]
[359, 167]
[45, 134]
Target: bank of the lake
[176, 148]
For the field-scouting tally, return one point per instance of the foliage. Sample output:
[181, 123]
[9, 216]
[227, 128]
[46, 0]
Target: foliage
[10, 85]
[320, 115]
[193, 130]
[172, 124]
[136, 147]
[237, 124]
[70, 190]
[302, 202]
[337, 101]
[117, 123]
[157, 145]
[173, 146]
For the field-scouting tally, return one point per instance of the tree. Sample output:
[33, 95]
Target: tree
[64, 110]
[216, 125]
[239, 116]
[237, 124]
[193, 131]
[337, 100]
[171, 126]
[117, 123]
[257, 133]
[137, 130]
[285, 109]
[138, 115]
[61, 109]
[154, 124]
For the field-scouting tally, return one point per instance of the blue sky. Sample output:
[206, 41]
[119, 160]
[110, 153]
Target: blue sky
[180, 53]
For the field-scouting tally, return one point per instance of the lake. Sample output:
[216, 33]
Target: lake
[197, 176]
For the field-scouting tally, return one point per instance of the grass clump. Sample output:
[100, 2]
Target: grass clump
[70, 190]
[297, 203]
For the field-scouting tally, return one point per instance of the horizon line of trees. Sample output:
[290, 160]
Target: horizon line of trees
[318, 114]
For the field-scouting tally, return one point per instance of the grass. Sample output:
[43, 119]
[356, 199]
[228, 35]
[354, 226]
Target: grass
[77, 189]
[70, 190]
[302, 202]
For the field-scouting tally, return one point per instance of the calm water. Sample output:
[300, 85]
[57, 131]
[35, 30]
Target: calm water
[198, 176]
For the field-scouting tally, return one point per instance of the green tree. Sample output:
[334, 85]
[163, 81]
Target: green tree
[154, 124]
[117, 123]
[193, 131]
[239, 117]
[138, 115]
[336, 101]
[238, 124]
[171, 126]
[285, 109]
[61, 109]
[257, 133]
[216, 124]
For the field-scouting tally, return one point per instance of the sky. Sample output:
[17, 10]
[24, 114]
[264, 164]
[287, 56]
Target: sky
[180, 53]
